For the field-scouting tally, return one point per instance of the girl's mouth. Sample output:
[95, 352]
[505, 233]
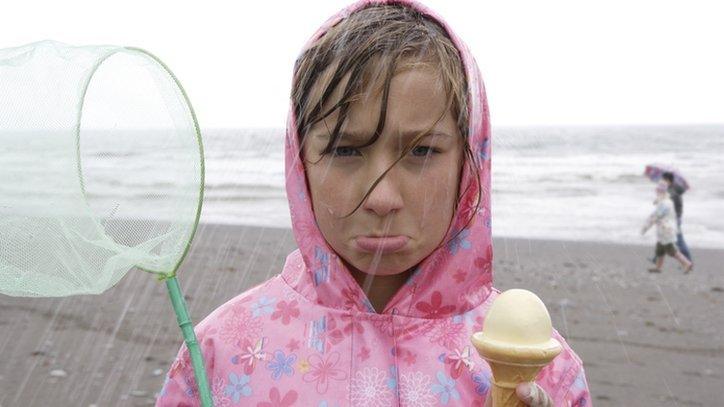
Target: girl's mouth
[386, 244]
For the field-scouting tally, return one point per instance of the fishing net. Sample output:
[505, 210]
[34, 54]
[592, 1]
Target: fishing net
[101, 168]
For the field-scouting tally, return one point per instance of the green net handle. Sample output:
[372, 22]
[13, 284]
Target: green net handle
[197, 359]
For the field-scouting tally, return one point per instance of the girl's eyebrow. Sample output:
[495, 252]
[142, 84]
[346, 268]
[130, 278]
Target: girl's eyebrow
[361, 137]
[342, 135]
[407, 135]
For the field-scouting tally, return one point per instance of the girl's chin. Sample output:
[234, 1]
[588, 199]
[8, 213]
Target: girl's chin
[384, 273]
[381, 269]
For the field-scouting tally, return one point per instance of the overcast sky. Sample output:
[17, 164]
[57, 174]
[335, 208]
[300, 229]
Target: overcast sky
[544, 62]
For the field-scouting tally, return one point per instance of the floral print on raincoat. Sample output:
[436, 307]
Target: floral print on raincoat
[309, 336]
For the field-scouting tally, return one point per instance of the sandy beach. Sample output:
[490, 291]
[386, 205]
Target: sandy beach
[646, 339]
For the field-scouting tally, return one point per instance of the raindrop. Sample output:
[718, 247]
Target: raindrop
[139, 393]
[58, 373]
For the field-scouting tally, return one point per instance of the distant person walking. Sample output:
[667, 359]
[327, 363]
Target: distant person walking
[675, 192]
[664, 217]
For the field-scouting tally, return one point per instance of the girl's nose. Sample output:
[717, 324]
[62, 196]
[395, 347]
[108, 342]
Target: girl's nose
[385, 197]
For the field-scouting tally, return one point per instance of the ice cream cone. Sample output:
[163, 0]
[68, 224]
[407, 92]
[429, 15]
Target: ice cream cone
[516, 342]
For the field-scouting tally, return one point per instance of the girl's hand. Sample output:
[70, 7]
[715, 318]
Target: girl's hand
[531, 394]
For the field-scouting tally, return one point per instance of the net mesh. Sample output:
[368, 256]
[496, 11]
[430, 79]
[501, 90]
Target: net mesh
[101, 168]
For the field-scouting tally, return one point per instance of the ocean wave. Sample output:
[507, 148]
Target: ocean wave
[238, 186]
[629, 178]
[571, 192]
[247, 198]
[111, 154]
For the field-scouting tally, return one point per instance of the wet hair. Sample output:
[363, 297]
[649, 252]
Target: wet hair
[361, 54]
[669, 176]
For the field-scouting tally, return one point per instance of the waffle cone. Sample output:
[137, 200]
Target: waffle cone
[512, 365]
[505, 379]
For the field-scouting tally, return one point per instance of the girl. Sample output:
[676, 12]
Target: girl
[388, 181]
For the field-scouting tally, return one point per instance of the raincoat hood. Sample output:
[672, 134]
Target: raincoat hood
[457, 276]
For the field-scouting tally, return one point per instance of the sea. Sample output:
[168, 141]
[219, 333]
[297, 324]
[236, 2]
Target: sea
[560, 183]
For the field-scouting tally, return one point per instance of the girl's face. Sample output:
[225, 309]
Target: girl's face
[412, 205]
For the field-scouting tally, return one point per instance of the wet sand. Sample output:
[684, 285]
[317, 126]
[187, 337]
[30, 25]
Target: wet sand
[646, 339]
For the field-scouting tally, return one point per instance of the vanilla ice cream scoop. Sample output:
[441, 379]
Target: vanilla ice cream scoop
[518, 317]
[516, 341]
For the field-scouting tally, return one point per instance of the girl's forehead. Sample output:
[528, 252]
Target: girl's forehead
[371, 83]
[414, 99]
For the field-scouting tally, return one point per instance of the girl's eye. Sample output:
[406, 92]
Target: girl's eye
[345, 151]
[423, 151]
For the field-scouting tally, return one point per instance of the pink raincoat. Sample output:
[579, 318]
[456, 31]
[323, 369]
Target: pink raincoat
[309, 336]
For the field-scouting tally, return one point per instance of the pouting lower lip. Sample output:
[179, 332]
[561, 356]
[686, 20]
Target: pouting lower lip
[381, 244]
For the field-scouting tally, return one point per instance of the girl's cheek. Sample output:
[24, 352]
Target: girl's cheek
[337, 195]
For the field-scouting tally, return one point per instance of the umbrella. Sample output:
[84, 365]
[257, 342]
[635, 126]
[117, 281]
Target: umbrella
[655, 171]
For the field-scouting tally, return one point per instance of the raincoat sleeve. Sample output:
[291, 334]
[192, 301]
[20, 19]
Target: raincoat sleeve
[564, 379]
[179, 389]
[578, 395]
